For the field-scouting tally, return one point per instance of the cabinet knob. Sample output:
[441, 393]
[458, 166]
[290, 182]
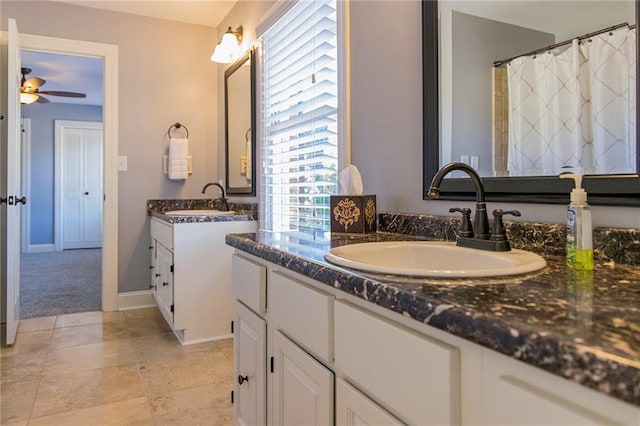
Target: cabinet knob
[165, 284]
[242, 379]
[157, 275]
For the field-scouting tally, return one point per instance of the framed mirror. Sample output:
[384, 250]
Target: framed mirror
[465, 48]
[240, 112]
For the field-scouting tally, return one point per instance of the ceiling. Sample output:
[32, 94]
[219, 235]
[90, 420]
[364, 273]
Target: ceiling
[83, 74]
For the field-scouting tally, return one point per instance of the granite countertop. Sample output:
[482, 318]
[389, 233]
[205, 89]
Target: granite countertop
[158, 208]
[581, 326]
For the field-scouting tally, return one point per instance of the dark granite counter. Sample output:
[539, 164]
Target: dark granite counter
[584, 327]
[242, 211]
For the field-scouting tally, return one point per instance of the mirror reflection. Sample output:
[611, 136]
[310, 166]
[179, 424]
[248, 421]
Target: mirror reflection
[529, 87]
[239, 125]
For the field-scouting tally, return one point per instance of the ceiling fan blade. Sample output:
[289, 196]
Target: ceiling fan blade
[65, 94]
[42, 100]
[33, 83]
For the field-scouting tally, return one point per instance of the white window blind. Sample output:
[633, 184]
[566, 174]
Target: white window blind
[299, 120]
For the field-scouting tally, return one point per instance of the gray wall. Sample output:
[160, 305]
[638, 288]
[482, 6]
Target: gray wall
[165, 76]
[41, 202]
[477, 43]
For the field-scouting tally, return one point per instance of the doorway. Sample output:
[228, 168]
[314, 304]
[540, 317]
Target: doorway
[62, 177]
[108, 54]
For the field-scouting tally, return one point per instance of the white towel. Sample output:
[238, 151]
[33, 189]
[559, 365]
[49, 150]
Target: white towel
[178, 153]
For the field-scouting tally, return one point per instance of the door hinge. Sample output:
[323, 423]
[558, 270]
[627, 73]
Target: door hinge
[171, 269]
[172, 308]
[232, 397]
[271, 362]
[231, 327]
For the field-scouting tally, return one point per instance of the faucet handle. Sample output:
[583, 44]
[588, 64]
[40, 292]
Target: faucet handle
[498, 233]
[466, 230]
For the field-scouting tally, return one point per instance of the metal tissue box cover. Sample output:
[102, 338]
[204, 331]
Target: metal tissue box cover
[353, 214]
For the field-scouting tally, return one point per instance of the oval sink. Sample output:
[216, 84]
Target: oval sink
[198, 213]
[433, 259]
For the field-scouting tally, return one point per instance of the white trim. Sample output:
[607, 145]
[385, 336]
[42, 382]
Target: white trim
[40, 248]
[25, 182]
[344, 84]
[109, 54]
[135, 300]
[272, 15]
[58, 161]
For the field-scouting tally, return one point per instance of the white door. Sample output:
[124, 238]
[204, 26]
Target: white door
[354, 408]
[302, 387]
[249, 355]
[80, 172]
[14, 199]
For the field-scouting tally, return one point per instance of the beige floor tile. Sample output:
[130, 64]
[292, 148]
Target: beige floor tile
[158, 346]
[185, 370]
[33, 341]
[36, 324]
[151, 312]
[18, 423]
[201, 405]
[145, 326]
[130, 412]
[224, 343]
[22, 367]
[85, 318]
[86, 389]
[16, 400]
[88, 357]
[87, 334]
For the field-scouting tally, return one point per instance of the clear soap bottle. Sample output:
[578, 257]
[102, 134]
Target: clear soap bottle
[579, 229]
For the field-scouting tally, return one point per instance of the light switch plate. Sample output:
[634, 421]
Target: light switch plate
[122, 163]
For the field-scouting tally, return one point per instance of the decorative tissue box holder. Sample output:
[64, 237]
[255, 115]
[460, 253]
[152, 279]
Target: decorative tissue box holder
[353, 214]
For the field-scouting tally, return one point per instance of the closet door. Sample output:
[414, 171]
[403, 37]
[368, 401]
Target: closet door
[81, 185]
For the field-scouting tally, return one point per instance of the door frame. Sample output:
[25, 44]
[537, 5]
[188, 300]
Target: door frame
[25, 183]
[58, 151]
[109, 55]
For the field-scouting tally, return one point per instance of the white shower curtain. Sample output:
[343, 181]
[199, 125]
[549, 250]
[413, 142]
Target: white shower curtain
[574, 106]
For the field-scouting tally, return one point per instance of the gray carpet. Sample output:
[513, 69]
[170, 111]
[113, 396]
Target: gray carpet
[60, 282]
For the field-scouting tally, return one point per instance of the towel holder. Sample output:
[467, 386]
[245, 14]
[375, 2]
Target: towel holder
[177, 126]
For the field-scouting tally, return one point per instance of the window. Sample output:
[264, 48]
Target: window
[300, 132]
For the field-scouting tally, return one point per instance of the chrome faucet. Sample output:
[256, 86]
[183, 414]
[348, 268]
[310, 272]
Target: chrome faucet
[476, 236]
[223, 200]
[480, 220]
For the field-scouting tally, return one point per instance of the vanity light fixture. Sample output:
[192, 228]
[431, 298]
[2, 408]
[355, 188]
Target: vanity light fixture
[228, 49]
[28, 98]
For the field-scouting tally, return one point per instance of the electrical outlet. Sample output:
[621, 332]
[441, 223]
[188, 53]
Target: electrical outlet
[122, 163]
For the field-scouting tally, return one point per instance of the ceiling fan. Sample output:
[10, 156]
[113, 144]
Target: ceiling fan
[30, 90]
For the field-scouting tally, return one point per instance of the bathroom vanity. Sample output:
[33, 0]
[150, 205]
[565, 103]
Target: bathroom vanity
[316, 343]
[191, 272]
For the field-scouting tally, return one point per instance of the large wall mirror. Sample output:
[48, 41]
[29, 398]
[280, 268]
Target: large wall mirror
[240, 141]
[520, 89]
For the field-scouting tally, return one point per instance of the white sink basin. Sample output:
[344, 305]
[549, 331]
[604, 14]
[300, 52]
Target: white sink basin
[198, 213]
[433, 259]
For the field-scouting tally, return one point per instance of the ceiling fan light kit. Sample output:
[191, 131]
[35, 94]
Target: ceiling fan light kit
[30, 90]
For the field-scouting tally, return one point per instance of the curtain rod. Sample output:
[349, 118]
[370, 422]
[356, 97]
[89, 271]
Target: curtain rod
[562, 43]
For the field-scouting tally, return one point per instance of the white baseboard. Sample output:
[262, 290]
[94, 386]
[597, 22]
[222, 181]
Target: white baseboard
[40, 248]
[135, 300]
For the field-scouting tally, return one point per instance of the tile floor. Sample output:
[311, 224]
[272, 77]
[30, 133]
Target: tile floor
[113, 368]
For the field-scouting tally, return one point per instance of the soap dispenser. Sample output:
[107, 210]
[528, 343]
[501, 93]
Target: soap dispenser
[579, 230]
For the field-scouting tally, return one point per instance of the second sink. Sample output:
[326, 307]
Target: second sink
[198, 213]
[433, 259]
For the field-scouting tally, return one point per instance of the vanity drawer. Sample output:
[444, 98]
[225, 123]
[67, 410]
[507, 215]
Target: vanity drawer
[249, 283]
[162, 232]
[302, 313]
[416, 377]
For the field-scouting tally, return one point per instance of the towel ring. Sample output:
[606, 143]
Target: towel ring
[177, 126]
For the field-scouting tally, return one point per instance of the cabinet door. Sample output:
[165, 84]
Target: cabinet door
[302, 387]
[250, 357]
[354, 408]
[154, 270]
[164, 289]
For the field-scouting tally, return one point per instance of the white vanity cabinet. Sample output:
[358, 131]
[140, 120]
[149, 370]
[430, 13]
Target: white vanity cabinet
[384, 368]
[191, 276]
[298, 387]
